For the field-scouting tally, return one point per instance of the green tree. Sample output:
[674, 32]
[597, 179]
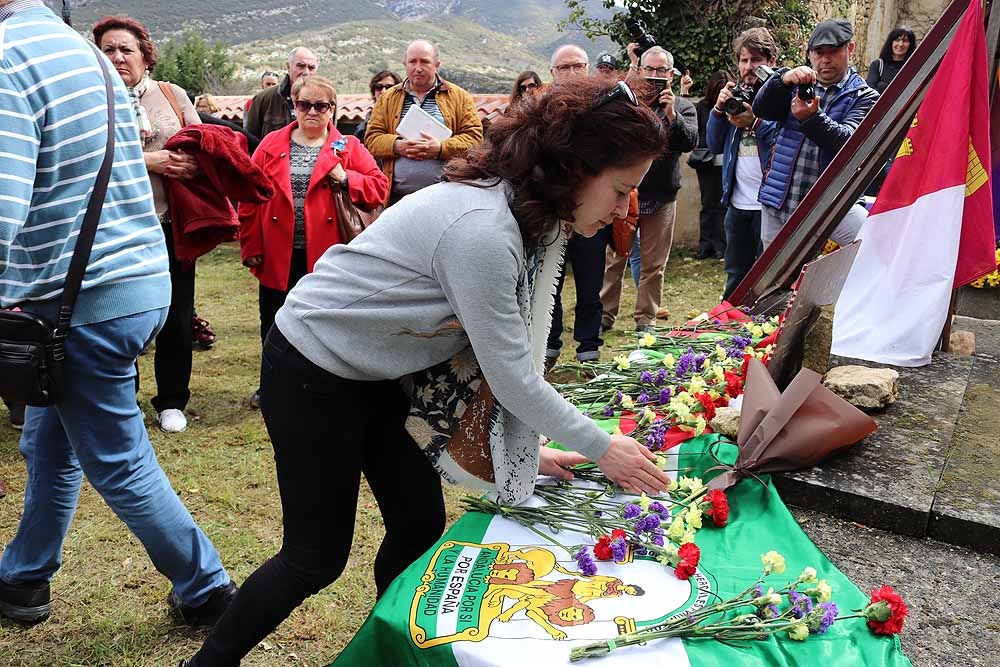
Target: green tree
[700, 33]
[194, 64]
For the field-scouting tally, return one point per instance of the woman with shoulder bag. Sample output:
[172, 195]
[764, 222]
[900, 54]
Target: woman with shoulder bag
[460, 271]
[708, 167]
[308, 162]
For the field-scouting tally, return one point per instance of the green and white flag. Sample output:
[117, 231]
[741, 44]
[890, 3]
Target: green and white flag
[492, 593]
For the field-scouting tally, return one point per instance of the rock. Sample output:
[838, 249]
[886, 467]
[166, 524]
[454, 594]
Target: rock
[818, 338]
[863, 387]
[726, 422]
[962, 343]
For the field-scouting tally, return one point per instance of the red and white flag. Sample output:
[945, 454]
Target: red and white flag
[931, 229]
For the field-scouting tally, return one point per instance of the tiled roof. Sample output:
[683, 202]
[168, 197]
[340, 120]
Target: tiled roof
[351, 108]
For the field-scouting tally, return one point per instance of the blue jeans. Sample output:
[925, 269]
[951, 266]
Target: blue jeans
[99, 431]
[587, 257]
[635, 260]
[742, 246]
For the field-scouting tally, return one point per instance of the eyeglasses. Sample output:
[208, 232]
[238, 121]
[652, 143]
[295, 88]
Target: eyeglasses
[620, 89]
[383, 86]
[658, 71]
[572, 67]
[525, 87]
[304, 106]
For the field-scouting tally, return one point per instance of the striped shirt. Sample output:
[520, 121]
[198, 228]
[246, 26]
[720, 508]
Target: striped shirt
[53, 133]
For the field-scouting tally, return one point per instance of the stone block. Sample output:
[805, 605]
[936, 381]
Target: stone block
[818, 339]
[726, 422]
[983, 304]
[864, 387]
[889, 479]
[962, 343]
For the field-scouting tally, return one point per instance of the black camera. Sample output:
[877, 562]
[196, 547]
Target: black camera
[741, 94]
[805, 91]
[639, 35]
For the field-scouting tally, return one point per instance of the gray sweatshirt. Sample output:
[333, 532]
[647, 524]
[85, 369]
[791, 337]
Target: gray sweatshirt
[436, 272]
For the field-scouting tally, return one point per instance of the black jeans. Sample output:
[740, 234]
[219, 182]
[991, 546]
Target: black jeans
[326, 431]
[172, 359]
[743, 247]
[587, 257]
[270, 300]
[712, 236]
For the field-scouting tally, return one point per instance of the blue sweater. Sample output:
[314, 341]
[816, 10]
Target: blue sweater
[54, 114]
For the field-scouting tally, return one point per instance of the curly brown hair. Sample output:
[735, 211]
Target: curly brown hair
[546, 146]
[129, 24]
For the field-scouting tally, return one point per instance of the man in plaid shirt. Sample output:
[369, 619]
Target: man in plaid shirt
[811, 131]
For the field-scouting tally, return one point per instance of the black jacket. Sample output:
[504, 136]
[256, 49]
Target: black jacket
[663, 179]
[270, 110]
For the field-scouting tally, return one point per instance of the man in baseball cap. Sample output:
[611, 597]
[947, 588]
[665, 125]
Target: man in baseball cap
[816, 109]
[607, 65]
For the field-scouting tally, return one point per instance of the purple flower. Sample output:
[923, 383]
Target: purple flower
[585, 562]
[699, 361]
[773, 611]
[618, 549]
[631, 511]
[647, 524]
[759, 319]
[716, 320]
[642, 398]
[657, 506]
[618, 398]
[684, 363]
[758, 591]
[657, 538]
[664, 396]
[661, 377]
[829, 616]
[646, 377]
[598, 513]
[608, 411]
[654, 439]
[801, 604]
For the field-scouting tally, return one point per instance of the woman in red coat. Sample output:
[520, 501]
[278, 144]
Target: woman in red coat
[281, 239]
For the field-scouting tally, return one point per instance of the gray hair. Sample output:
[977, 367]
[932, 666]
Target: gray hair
[294, 52]
[658, 49]
[566, 47]
[434, 48]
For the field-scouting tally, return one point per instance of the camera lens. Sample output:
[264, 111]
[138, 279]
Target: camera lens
[806, 91]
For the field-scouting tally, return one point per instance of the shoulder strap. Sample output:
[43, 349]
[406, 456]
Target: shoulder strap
[881, 68]
[168, 92]
[85, 240]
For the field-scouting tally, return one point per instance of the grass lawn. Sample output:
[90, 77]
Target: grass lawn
[109, 604]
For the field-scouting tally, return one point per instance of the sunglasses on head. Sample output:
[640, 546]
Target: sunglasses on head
[621, 89]
[525, 87]
[305, 105]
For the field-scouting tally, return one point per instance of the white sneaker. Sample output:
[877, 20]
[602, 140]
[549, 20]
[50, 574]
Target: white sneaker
[172, 421]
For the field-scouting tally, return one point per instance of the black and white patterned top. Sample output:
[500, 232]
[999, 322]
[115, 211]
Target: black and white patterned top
[303, 161]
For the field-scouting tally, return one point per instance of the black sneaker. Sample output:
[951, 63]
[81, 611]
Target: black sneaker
[209, 612]
[255, 400]
[16, 415]
[26, 603]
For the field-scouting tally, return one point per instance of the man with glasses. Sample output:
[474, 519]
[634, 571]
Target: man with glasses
[413, 163]
[271, 108]
[657, 192]
[568, 62]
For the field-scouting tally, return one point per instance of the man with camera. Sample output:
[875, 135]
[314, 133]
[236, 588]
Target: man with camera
[817, 109]
[744, 142]
[652, 69]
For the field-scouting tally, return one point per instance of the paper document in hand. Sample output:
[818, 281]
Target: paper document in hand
[417, 120]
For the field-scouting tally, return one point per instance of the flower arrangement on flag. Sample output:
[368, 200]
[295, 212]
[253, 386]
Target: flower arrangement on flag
[797, 610]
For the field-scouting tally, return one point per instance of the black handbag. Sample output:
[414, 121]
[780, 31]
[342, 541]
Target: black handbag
[32, 350]
[700, 157]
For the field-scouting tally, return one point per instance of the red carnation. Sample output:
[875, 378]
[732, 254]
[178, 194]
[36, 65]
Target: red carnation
[690, 555]
[734, 384]
[618, 532]
[719, 511]
[707, 406]
[746, 365]
[602, 550]
[886, 611]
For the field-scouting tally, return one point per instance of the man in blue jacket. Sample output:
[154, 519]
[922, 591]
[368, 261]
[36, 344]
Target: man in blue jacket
[811, 131]
[745, 144]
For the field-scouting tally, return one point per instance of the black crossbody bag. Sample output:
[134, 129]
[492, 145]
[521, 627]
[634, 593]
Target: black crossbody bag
[32, 350]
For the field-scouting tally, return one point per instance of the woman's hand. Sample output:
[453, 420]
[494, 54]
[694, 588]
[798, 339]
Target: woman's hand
[338, 174]
[554, 462]
[253, 261]
[172, 164]
[631, 466]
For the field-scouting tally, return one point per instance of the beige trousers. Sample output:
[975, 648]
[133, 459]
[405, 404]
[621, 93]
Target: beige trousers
[656, 233]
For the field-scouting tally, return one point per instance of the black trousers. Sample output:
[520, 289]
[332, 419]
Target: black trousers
[270, 300]
[326, 431]
[712, 235]
[587, 257]
[172, 359]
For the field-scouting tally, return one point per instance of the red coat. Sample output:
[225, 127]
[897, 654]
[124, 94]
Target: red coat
[201, 216]
[267, 228]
